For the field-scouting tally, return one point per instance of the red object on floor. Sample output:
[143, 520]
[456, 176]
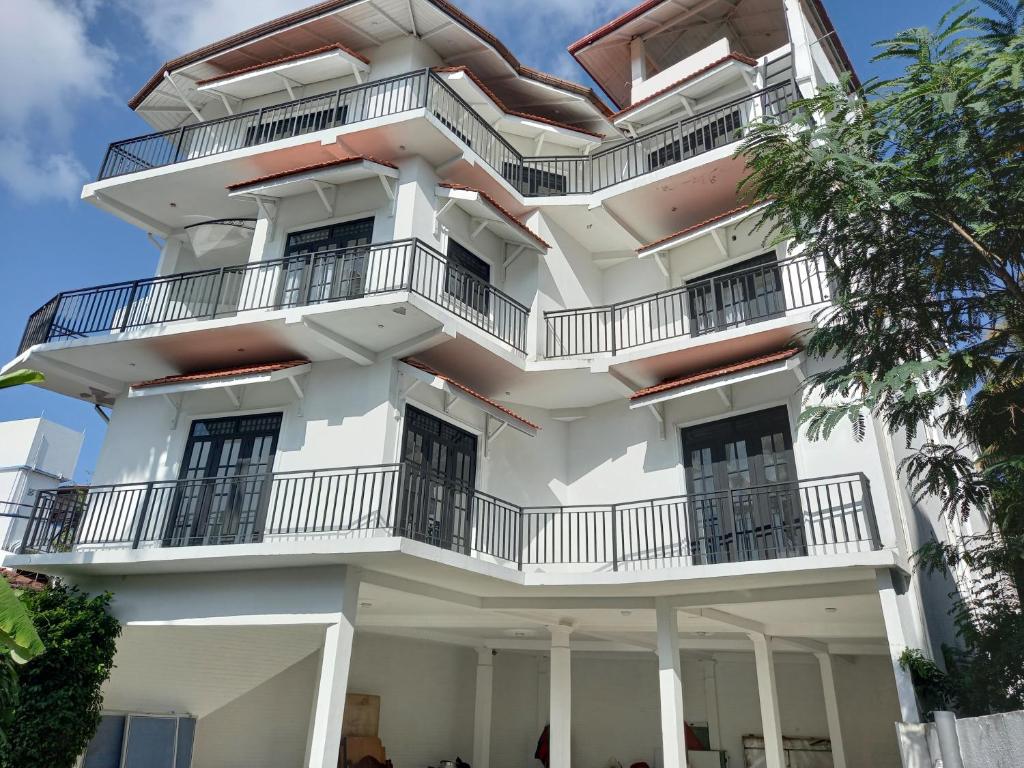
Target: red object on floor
[692, 742]
[543, 752]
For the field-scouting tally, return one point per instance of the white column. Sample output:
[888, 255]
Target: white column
[949, 740]
[332, 686]
[828, 685]
[771, 725]
[897, 644]
[259, 285]
[637, 65]
[670, 686]
[482, 713]
[560, 718]
[711, 702]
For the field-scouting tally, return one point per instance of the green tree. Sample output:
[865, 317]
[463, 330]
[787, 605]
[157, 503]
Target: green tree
[19, 642]
[912, 194]
[20, 376]
[60, 689]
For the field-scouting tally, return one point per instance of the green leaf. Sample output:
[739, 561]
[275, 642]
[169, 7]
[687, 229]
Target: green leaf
[17, 634]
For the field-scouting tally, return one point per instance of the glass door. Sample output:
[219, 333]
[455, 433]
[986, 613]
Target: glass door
[224, 481]
[741, 485]
[326, 263]
[744, 293]
[439, 480]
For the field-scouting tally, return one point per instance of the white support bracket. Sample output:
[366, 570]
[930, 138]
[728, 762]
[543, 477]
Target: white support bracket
[688, 105]
[268, 210]
[175, 408]
[235, 397]
[226, 102]
[390, 191]
[726, 394]
[181, 95]
[539, 145]
[441, 212]
[658, 411]
[449, 401]
[490, 435]
[479, 225]
[322, 187]
[659, 259]
[716, 235]
[510, 258]
[290, 86]
[300, 393]
[345, 347]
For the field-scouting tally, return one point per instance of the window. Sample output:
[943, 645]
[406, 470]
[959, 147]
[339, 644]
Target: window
[467, 278]
[713, 133]
[294, 125]
[141, 741]
[535, 182]
[326, 263]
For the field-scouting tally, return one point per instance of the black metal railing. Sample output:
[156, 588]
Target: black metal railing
[737, 298]
[302, 280]
[531, 176]
[14, 518]
[791, 519]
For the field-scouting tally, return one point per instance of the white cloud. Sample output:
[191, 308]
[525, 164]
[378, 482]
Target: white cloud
[47, 84]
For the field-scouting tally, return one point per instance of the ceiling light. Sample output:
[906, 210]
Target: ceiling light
[380, 325]
[831, 610]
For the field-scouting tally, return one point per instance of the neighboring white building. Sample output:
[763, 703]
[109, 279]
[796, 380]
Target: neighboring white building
[457, 387]
[35, 455]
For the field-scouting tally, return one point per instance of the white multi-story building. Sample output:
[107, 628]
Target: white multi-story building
[459, 388]
[35, 455]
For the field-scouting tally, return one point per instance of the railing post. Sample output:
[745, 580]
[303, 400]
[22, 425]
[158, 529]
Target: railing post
[614, 331]
[179, 143]
[216, 296]
[869, 512]
[615, 537]
[30, 528]
[128, 306]
[519, 539]
[143, 516]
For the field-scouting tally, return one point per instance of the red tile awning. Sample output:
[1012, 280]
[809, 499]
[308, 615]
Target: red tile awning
[295, 57]
[472, 393]
[222, 373]
[693, 229]
[505, 214]
[710, 374]
[260, 180]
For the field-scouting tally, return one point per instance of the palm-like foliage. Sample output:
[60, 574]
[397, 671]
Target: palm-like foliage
[912, 194]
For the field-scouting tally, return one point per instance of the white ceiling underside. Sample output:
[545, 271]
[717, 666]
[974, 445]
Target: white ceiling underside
[679, 28]
[364, 26]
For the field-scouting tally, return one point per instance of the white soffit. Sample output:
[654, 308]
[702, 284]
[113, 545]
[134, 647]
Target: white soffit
[303, 182]
[726, 380]
[316, 68]
[688, 236]
[476, 401]
[482, 213]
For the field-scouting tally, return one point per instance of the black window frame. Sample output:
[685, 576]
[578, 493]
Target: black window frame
[467, 277]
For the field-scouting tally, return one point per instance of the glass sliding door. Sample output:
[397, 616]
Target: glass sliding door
[224, 481]
[326, 263]
[748, 292]
[742, 489]
[439, 477]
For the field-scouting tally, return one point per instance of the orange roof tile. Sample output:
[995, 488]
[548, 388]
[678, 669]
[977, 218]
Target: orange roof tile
[471, 392]
[697, 227]
[308, 169]
[714, 373]
[284, 60]
[223, 373]
[668, 89]
[497, 206]
[508, 110]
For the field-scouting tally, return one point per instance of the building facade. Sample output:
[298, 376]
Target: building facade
[35, 455]
[458, 387]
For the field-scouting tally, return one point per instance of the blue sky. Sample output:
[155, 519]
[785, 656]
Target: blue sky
[74, 63]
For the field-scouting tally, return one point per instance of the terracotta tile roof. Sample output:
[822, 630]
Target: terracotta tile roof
[223, 373]
[24, 580]
[703, 70]
[508, 110]
[285, 60]
[308, 169]
[319, 9]
[496, 206]
[471, 392]
[707, 223]
[714, 373]
[611, 26]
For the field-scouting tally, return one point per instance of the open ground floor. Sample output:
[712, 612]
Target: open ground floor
[336, 666]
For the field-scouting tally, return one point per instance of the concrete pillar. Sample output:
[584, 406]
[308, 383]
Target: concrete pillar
[803, 65]
[332, 685]
[771, 724]
[897, 640]
[259, 285]
[670, 686]
[711, 702]
[560, 718]
[637, 64]
[482, 713]
[828, 685]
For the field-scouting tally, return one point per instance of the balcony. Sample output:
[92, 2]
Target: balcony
[296, 281]
[530, 176]
[735, 299]
[794, 519]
